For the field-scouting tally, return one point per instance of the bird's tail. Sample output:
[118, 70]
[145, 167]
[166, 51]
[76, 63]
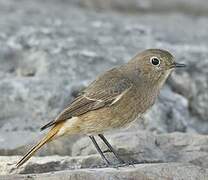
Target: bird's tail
[48, 137]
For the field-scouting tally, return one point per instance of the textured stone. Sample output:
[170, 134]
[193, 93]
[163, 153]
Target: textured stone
[162, 171]
[140, 147]
[143, 147]
[138, 6]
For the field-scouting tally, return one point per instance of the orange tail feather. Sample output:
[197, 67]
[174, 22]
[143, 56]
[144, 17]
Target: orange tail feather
[49, 136]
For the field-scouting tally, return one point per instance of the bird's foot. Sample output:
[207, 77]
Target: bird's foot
[121, 164]
[107, 151]
[128, 163]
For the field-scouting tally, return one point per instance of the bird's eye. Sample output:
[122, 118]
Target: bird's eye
[155, 61]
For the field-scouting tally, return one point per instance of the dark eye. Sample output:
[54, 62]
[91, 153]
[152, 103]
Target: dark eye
[155, 61]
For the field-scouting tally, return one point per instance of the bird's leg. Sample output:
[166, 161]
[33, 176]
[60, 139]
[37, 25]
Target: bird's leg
[99, 150]
[111, 148]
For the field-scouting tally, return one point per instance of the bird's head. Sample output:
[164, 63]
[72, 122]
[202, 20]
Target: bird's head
[154, 65]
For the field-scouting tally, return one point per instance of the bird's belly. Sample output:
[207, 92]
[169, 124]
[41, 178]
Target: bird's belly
[104, 119]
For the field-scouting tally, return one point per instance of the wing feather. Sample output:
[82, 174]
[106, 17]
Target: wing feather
[100, 93]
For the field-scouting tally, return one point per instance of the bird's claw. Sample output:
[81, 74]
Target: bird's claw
[107, 151]
[121, 164]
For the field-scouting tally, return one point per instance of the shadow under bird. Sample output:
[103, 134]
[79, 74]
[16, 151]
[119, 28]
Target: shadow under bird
[113, 100]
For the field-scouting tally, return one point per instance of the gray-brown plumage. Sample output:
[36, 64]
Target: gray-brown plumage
[113, 100]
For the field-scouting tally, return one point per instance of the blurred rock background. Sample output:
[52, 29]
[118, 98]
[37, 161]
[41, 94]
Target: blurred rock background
[50, 49]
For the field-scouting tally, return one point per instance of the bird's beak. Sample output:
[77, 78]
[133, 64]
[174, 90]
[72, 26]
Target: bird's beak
[177, 65]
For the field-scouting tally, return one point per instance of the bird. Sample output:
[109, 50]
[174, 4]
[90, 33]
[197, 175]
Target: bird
[114, 99]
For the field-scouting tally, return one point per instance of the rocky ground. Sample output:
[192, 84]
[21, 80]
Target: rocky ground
[156, 154]
[51, 49]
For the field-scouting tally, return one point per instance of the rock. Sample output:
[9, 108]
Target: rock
[140, 147]
[143, 171]
[186, 88]
[191, 6]
[170, 114]
[48, 164]
[143, 147]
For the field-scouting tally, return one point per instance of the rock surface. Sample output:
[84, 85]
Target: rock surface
[189, 6]
[155, 154]
[139, 172]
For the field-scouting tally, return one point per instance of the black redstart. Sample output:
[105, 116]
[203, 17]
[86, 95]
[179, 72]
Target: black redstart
[113, 100]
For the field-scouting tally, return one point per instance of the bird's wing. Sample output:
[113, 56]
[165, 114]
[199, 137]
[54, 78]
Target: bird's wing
[105, 91]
